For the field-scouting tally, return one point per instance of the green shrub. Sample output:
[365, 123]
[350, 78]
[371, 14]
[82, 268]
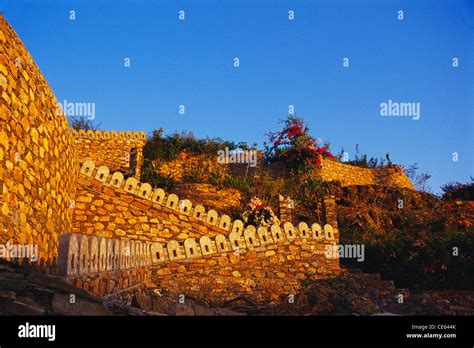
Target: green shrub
[362, 160]
[166, 148]
[82, 123]
[458, 191]
[155, 179]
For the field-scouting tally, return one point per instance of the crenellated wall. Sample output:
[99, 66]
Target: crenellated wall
[37, 158]
[116, 150]
[191, 250]
[76, 196]
[262, 263]
[262, 273]
[108, 205]
[349, 175]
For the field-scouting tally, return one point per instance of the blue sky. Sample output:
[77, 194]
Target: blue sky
[282, 62]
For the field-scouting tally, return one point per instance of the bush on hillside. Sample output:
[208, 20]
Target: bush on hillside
[166, 148]
[458, 191]
[361, 160]
[259, 214]
[82, 123]
[294, 146]
[416, 257]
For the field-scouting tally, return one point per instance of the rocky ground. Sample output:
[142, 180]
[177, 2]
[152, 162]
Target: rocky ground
[26, 292]
[144, 302]
[352, 293]
[358, 293]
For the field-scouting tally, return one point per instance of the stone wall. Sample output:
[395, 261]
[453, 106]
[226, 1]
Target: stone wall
[37, 157]
[286, 207]
[113, 206]
[112, 282]
[108, 205]
[116, 150]
[349, 175]
[263, 274]
[224, 200]
[262, 264]
[330, 210]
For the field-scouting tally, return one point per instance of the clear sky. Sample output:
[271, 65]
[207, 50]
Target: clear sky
[282, 62]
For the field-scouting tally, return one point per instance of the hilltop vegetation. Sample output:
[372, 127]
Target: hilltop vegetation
[416, 239]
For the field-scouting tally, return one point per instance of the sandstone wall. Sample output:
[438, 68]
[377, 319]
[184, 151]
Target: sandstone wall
[105, 210]
[37, 157]
[112, 149]
[109, 282]
[262, 264]
[108, 205]
[221, 200]
[349, 175]
[192, 250]
[263, 274]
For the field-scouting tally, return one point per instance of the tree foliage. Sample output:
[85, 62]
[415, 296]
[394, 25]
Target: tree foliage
[83, 123]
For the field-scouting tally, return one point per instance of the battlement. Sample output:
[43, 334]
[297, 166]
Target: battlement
[80, 254]
[192, 250]
[98, 134]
